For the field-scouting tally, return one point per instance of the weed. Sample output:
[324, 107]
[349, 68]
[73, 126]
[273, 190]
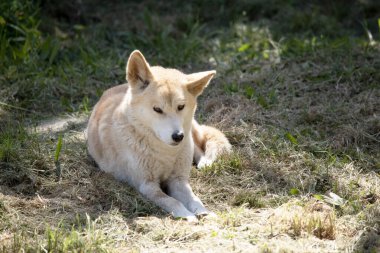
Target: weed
[231, 219]
[248, 199]
[265, 249]
[323, 229]
[296, 226]
[318, 224]
[249, 92]
[291, 138]
[232, 164]
[294, 191]
[56, 157]
[18, 31]
[231, 88]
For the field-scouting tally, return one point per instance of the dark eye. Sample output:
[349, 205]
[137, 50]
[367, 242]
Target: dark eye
[157, 109]
[180, 107]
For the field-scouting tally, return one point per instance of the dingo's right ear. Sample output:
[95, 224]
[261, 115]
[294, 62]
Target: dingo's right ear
[138, 71]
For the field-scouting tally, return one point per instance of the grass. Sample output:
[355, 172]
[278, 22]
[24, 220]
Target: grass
[296, 93]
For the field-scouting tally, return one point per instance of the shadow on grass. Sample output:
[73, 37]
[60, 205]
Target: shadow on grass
[38, 198]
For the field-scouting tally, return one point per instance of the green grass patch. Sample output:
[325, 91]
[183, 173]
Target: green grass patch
[249, 199]
[82, 239]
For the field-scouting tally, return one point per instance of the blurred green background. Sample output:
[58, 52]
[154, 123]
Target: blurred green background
[58, 56]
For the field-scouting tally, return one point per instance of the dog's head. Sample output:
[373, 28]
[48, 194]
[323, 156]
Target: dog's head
[163, 100]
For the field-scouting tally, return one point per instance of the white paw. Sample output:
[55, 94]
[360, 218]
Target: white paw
[207, 216]
[205, 213]
[190, 218]
[186, 215]
[204, 162]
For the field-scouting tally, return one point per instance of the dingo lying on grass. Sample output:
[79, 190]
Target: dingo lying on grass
[144, 132]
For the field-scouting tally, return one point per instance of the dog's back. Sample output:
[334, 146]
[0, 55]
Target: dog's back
[102, 113]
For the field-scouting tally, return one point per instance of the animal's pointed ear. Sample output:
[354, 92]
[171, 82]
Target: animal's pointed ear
[138, 71]
[199, 81]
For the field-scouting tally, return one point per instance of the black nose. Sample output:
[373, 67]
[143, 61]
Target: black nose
[177, 136]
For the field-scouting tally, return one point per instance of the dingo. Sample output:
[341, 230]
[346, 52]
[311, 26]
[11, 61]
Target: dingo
[144, 132]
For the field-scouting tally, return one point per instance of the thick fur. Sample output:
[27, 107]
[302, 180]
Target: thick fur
[130, 135]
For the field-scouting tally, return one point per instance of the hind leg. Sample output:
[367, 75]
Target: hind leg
[204, 162]
[205, 159]
[209, 144]
[200, 159]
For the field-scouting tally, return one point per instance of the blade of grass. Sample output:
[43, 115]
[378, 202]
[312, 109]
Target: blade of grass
[56, 157]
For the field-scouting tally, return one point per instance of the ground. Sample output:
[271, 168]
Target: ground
[297, 93]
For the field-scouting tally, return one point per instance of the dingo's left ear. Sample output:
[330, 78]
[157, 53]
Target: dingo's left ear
[138, 71]
[199, 81]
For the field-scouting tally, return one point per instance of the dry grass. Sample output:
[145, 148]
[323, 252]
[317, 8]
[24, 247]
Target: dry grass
[301, 110]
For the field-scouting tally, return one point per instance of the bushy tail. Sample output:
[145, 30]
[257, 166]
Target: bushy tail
[209, 144]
